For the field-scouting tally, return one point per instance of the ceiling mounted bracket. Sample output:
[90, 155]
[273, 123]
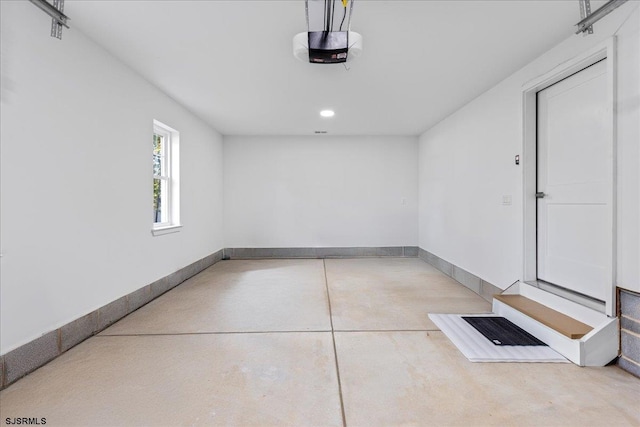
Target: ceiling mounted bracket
[586, 24]
[55, 11]
[585, 10]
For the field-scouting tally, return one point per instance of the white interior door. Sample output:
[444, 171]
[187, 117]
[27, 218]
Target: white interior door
[575, 175]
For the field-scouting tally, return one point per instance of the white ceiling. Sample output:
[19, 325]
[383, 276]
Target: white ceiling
[231, 62]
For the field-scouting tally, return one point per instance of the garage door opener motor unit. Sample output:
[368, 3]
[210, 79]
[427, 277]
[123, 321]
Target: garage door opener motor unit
[329, 39]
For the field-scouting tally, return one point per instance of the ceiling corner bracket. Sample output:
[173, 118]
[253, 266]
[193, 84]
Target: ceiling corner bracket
[589, 18]
[55, 11]
[585, 11]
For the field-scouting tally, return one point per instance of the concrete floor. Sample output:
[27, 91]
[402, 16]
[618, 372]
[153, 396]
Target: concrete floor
[309, 342]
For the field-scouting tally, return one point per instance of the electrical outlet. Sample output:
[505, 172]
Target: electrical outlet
[506, 200]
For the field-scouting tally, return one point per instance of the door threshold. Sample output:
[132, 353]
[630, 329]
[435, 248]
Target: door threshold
[578, 298]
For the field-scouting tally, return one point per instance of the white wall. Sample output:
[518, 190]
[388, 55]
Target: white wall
[76, 187]
[467, 165]
[320, 191]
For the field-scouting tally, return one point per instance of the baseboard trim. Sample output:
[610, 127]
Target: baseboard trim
[320, 253]
[481, 287]
[31, 356]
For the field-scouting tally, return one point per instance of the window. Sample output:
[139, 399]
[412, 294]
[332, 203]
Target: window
[166, 191]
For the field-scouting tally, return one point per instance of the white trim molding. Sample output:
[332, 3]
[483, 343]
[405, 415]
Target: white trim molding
[159, 231]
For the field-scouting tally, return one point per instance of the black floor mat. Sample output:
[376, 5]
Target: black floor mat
[501, 331]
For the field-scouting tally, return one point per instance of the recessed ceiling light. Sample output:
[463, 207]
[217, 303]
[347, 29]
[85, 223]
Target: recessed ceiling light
[327, 113]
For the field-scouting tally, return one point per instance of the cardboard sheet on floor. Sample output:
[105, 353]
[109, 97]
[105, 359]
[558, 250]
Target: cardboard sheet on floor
[477, 348]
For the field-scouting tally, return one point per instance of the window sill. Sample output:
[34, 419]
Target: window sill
[159, 231]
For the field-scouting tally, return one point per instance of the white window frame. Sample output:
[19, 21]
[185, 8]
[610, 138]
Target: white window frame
[170, 172]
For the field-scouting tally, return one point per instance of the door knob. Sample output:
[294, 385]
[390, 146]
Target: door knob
[540, 195]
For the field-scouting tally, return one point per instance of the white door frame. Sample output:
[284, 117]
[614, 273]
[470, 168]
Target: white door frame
[603, 50]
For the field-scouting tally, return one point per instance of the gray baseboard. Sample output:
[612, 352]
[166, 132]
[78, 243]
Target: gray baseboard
[481, 287]
[29, 357]
[259, 253]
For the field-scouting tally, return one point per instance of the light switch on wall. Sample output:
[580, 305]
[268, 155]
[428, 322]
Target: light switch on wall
[506, 200]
